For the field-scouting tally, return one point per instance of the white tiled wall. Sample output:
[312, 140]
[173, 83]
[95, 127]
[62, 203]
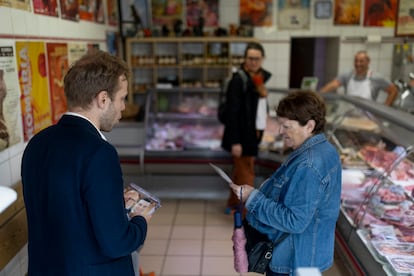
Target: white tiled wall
[10, 165]
[276, 43]
[19, 22]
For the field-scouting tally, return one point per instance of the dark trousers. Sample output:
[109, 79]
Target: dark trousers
[243, 173]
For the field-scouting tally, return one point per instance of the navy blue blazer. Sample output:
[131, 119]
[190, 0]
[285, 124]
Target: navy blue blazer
[73, 192]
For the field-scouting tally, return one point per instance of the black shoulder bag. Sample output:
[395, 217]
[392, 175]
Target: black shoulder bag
[259, 248]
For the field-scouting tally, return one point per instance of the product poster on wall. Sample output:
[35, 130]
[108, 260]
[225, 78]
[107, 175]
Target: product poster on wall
[92, 47]
[166, 12]
[69, 10]
[294, 14]
[76, 51]
[46, 7]
[135, 16]
[347, 12]
[35, 102]
[135, 10]
[57, 64]
[91, 10]
[10, 122]
[256, 13]
[380, 13]
[99, 12]
[87, 10]
[112, 43]
[405, 18]
[205, 10]
[112, 10]
[16, 4]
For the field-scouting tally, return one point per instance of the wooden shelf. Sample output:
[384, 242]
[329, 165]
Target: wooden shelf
[184, 62]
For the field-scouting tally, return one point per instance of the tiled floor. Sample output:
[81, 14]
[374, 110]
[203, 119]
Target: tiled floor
[193, 238]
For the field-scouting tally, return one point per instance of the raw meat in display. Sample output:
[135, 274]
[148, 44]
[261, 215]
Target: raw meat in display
[368, 219]
[385, 248]
[392, 194]
[392, 216]
[401, 265]
[175, 136]
[406, 233]
[383, 233]
[196, 105]
[382, 160]
[379, 159]
[409, 189]
[351, 194]
[403, 171]
[400, 218]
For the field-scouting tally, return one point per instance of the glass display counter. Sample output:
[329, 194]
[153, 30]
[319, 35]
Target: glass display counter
[375, 229]
[376, 224]
[182, 119]
[183, 133]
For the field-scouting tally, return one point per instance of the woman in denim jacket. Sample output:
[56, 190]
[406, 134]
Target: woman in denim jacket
[302, 197]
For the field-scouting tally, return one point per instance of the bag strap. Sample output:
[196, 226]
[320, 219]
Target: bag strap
[276, 242]
[223, 90]
[281, 238]
[243, 76]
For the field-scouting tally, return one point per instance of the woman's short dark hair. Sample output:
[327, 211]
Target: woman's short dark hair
[254, 46]
[302, 106]
[94, 72]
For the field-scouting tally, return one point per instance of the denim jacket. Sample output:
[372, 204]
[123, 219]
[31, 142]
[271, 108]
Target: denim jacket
[301, 198]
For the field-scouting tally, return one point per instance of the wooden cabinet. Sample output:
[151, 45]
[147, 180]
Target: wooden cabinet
[13, 228]
[182, 62]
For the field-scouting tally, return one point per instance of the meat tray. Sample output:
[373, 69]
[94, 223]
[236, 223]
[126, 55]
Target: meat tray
[401, 265]
[396, 249]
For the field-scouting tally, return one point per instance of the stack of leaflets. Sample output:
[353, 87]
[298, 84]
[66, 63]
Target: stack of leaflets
[139, 201]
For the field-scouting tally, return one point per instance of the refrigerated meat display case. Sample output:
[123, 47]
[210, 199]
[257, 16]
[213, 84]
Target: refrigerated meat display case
[375, 226]
[374, 142]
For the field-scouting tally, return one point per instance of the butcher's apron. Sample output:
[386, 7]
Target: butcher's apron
[361, 88]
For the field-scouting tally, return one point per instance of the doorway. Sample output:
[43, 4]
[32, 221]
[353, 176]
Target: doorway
[313, 57]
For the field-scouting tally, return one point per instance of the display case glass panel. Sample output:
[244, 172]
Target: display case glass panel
[183, 119]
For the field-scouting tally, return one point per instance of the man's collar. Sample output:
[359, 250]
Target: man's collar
[86, 118]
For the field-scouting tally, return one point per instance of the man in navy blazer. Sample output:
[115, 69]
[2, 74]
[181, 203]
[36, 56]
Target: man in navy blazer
[72, 180]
